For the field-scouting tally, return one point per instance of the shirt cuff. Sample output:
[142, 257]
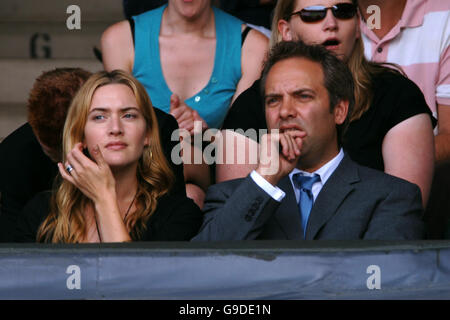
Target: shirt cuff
[276, 193]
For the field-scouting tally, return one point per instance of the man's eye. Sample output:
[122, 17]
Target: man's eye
[304, 96]
[271, 101]
[99, 117]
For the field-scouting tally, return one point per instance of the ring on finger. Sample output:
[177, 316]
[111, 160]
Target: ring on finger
[69, 168]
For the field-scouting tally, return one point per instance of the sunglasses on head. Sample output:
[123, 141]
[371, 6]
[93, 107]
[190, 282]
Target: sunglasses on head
[316, 13]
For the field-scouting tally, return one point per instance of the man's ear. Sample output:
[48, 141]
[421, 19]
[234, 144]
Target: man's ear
[284, 29]
[340, 111]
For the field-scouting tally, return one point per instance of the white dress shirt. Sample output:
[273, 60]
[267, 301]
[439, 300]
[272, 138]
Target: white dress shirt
[324, 172]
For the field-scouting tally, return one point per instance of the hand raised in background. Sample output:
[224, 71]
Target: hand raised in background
[186, 116]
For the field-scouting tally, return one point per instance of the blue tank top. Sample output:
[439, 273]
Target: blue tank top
[213, 100]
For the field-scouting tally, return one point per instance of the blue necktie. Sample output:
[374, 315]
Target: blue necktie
[305, 203]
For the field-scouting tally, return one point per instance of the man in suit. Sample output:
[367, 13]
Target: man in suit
[317, 191]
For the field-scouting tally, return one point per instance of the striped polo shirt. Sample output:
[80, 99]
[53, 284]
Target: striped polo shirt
[419, 43]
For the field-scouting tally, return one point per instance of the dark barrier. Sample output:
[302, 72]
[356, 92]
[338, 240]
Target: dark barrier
[232, 270]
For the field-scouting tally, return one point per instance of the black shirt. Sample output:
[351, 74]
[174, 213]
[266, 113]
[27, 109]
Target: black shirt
[247, 111]
[396, 99]
[24, 171]
[176, 218]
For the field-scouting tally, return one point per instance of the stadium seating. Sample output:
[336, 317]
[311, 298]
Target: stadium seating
[34, 38]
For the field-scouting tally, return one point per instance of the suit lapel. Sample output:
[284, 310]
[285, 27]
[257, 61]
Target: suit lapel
[288, 216]
[335, 190]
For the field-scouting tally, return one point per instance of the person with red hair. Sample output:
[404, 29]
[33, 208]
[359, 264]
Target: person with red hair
[28, 155]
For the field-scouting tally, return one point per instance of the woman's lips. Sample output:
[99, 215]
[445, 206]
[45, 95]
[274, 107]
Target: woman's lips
[116, 145]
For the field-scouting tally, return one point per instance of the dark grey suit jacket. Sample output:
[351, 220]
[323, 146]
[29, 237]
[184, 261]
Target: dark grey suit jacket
[356, 202]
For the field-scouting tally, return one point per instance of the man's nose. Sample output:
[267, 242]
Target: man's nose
[287, 108]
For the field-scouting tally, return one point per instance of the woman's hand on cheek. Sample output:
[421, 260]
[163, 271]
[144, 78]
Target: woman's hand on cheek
[93, 178]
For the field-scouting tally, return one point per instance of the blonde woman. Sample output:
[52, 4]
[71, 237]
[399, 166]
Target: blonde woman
[116, 180]
[391, 125]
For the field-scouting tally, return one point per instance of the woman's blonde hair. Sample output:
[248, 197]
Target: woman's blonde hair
[66, 223]
[362, 70]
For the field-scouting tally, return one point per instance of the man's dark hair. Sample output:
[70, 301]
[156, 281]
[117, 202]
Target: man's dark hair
[49, 101]
[338, 79]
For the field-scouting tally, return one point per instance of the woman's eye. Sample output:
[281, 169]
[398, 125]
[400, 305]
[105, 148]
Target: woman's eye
[98, 117]
[130, 116]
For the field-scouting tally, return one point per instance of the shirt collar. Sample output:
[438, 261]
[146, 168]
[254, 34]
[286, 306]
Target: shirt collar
[413, 13]
[412, 16]
[325, 171]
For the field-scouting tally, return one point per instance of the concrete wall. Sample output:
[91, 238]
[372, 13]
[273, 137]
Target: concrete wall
[34, 38]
